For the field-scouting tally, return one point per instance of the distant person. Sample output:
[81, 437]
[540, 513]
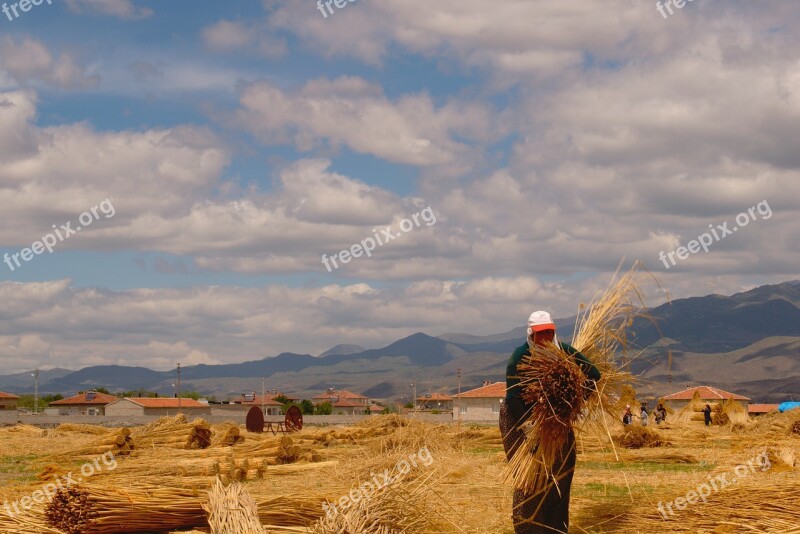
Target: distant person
[547, 511]
[661, 413]
[645, 416]
[627, 417]
[707, 414]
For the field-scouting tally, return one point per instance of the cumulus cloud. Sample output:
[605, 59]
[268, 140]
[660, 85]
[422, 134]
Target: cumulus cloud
[353, 112]
[28, 60]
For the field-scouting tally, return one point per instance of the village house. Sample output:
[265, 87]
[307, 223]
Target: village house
[435, 401]
[8, 401]
[711, 395]
[132, 406]
[84, 403]
[338, 395]
[756, 410]
[247, 400]
[480, 404]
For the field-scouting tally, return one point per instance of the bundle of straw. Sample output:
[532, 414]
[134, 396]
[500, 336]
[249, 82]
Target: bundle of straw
[228, 435]
[118, 442]
[288, 452]
[91, 509]
[636, 437]
[402, 507]
[175, 432]
[552, 380]
[231, 510]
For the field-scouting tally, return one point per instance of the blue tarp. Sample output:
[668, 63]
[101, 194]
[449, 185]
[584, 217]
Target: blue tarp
[788, 406]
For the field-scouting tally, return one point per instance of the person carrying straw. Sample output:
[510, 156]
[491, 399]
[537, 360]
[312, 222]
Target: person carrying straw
[546, 510]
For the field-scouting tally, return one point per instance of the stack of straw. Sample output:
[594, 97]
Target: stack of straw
[555, 383]
[402, 507]
[175, 432]
[288, 452]
[231, 510]
[228, 435]
[119, 442]
[91, 509]
[95, 509]
[636, 437]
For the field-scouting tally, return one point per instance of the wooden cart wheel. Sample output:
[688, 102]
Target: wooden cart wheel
[255, 420]
[294, 419]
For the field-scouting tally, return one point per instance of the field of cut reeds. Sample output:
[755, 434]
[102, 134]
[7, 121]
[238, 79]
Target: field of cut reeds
[179, 475]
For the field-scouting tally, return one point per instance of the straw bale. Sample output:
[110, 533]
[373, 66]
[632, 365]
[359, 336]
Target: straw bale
[636, 437]
[231, 510]
[405, 506]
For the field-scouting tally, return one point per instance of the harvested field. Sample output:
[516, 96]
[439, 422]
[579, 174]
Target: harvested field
[445, 479]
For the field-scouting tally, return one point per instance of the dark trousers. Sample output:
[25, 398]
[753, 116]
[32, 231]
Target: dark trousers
[548, 511]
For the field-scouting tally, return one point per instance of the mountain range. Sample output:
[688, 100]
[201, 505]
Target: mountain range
[748, 343]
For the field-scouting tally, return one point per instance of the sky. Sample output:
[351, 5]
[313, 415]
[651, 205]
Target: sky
[477, 161]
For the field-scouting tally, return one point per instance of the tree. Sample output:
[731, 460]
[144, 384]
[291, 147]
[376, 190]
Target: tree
[26, 401]
[389, 409]
[102, 390]
[282, 399]
[307, 407]
[324, 408]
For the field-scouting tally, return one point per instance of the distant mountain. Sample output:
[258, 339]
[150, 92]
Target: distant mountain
[709, 324]
[286, 361]
[715, 324]
[22, 382]
[748, 342]
[112, 377]
[342, 349]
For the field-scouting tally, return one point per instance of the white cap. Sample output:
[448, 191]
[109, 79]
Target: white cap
[540, 320]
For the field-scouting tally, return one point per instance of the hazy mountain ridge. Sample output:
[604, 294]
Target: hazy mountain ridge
[759, 327]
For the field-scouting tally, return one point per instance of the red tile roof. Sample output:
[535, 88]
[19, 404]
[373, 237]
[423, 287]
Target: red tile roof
[706, 393]
[496, 390]
[436, 397]
[9, 396]
[341, 393]
[81, 399]
[762, 408]
[375, 408]
[257, 401]
[166, 402]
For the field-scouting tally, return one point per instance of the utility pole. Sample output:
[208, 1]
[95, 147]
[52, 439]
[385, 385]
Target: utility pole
[414, 399]
[458, 373]
[35, 376]
[263, 392]
[179, 387]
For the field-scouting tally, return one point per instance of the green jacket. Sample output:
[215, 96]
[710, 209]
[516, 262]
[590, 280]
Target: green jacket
[513, 391]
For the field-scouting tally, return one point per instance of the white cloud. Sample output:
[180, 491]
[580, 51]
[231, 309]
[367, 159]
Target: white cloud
[228, 36]
[29, 60]
[123, 9]
[353, 112]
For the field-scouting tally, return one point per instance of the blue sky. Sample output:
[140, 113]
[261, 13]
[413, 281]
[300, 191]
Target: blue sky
[241, 141]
